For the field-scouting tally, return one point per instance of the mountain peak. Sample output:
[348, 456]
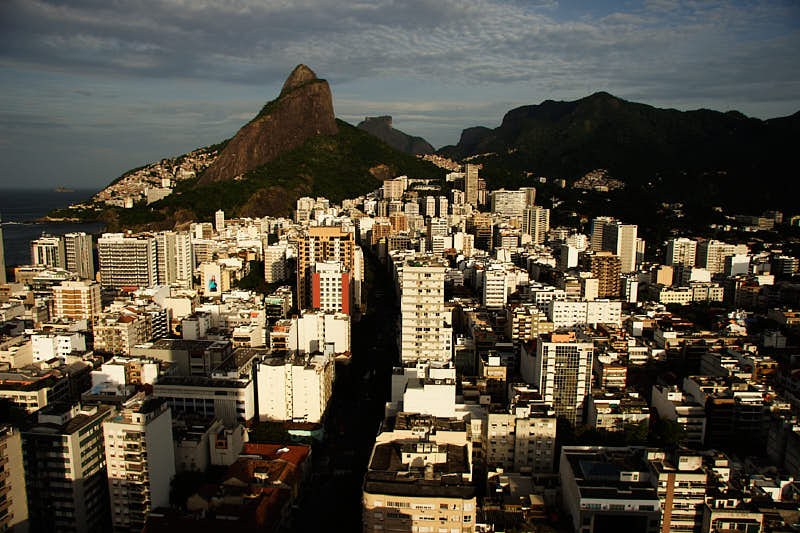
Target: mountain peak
[300, 75]
[303, 110]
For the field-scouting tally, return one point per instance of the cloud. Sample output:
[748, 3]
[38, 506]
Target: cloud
[165, 70]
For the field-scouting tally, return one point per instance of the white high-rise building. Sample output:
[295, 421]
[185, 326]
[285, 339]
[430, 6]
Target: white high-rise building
[536, 223]
[471, 184]
[562, 371]
[495, 293]
[509, 203]
[141, 460]
[127, 261]
[294, 388]
[681, 251]
[48, 251]
[425, 334]
[711, 254]
[620, 239]
[78, 252]
[219, 221]
[275, 263]
[175, 260]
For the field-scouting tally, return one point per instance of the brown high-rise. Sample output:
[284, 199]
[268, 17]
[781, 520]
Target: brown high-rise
[606, 267]
[321, 244]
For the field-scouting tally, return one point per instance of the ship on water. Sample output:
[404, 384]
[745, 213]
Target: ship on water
[63, 189]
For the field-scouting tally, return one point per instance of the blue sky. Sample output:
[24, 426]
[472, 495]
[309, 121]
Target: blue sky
[92, 88]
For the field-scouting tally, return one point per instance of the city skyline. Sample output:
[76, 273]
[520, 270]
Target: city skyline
[106, 88]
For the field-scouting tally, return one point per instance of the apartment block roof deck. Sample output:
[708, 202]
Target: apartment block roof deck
[76, 423]
[201, 381]
[406, 421]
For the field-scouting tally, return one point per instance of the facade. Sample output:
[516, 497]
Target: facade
[275, 263]
[330, 288]
[570, 313]
[76, 300]
[681, 251]
[424, 332]
[317, 245]
[621, 240]
[522, 440]
[66, 469]
[78, 254]
[14, 508]
[711, 254]
[127, 261]
[562, 371]
[471, 184]
[48, 251]
[174, 258]
[680, 480]
[118, 333]
[294, 388]
[228, 399]
[495, 292]
[606, 268]
[509, 203]
[140, 458]
[536, 223]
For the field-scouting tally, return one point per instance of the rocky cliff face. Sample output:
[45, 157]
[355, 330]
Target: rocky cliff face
[303, 109]
[381, 127]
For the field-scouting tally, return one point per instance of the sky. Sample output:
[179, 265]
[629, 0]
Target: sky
[92, 88]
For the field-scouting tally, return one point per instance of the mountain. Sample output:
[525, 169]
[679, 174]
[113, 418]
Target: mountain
[293, 147]
[721, 152]
[303, 109]
[343, 165]
[381, 127]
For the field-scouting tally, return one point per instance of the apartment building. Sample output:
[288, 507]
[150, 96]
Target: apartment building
[175, 259]
[522, 438]
[606, 268]
[681, 252]
[293, 387]
[127, 260]
[680, 480]
[14, 508]
[331, 289]
[66, 469]
[140, 459]
[419, 485]
[275, 263]
[48, 251]
[424, 331]
[561, 369]
[79, 256]
[77, 300]
[509, 203]
[494, 292]
[608, 489]
[536, 223]
[317, 245]
[711, 254]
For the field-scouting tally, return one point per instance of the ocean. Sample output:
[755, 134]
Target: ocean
[19, 208]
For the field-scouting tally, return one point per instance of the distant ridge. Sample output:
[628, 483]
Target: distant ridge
[381, 127]
[637, 142]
